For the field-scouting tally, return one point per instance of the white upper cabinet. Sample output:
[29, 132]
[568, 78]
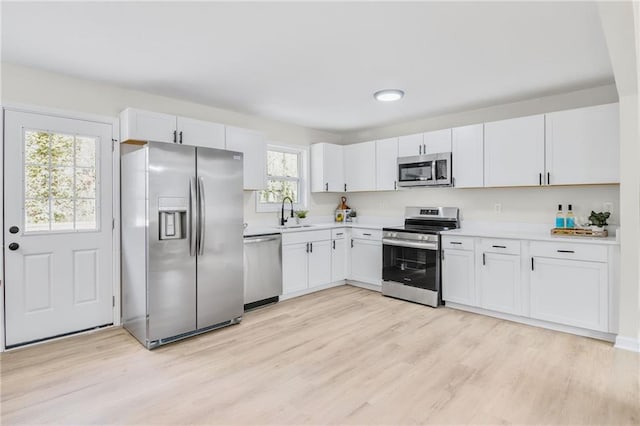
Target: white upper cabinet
[360, 167]
[468, 153]
[139, 125]
[437, 141]
[410, 145]
[387, 164]
[583, 146]
[327, 168]
[514, 152]
[200, 133]
[254, 148]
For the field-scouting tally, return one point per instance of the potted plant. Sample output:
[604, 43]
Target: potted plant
[354, 216]
[599, 220]
[301, 217]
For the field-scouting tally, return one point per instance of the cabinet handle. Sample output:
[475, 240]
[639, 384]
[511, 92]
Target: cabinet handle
[180, 137]
[339, 233]
[334, 244]
[311, 247]
[420, 149]
[499, 247]
[539, 178]
[532, 268]
[484, 260]
[352, 243]
[364, 233]
[566, 251]
[175, 138]
[424, 148]
[326, 186]
[442, 255]
[456, 242]
[307, 247]
[395, 185]
[345, 187]
[548, 178]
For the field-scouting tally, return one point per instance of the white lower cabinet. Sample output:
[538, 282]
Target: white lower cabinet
[319, 263]
[294, 268]
[458, 276]
[306, 260]
[500, 283]
[571, 292]
[338, 255]
[366, 261]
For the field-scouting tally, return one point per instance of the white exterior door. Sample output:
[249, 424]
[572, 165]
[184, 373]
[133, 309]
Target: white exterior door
[58, 226]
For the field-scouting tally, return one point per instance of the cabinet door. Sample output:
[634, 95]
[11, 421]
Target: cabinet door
[142, 125]
[458, 277]
[319, 263]
[366, 261]
[338, 260]
[294, 268]
[468, 156]
[570, 292]
[514, 152]
[254, 148]
[327, 168]
[583, 146]
[360, 167]
[437, 141]
[387, 164]
[500, 283]
[410, 145]
[200, 133]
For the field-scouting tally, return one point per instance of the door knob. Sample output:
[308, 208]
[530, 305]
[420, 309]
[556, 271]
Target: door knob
[14, 246]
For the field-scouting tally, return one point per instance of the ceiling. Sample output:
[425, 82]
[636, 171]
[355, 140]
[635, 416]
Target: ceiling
[318, 64]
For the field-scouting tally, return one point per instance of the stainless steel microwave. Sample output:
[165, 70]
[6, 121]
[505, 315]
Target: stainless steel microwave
[425, 170]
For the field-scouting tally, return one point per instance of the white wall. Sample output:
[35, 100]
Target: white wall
[28, 86]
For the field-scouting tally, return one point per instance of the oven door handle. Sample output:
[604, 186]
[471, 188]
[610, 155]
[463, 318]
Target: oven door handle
[410, 244]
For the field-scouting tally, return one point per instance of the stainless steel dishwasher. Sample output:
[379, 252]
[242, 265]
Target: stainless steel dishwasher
[262, 270]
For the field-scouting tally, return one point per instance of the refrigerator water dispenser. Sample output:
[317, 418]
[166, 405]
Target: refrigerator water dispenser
[173, 217]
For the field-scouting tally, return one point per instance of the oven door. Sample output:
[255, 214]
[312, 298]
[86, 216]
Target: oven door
[412, 264]
[416, 171]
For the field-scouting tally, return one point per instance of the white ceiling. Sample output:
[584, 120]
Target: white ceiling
[318, 64]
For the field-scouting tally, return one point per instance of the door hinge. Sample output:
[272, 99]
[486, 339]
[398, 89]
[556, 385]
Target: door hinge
[113, 144]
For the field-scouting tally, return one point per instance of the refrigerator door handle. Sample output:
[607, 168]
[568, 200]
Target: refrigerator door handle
[201, 216]
[193, 216]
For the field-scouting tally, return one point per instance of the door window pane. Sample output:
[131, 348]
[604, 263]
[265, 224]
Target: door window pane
[60, 175]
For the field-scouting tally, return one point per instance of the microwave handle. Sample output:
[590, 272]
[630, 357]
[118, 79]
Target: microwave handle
[434, 164]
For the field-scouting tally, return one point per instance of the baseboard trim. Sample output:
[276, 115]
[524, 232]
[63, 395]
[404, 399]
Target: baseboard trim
[372, 287]
[627, 344]
[310, 290]
[608, 337]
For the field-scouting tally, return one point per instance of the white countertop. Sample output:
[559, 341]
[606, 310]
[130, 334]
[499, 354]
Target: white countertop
[523, 231]
[368, 223]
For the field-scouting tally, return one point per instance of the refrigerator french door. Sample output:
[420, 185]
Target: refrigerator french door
[182, 243]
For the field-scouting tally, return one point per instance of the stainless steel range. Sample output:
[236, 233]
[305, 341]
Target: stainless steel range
[411, 254]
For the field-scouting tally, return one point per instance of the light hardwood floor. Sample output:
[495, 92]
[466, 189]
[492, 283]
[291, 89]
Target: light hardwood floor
[343, 355]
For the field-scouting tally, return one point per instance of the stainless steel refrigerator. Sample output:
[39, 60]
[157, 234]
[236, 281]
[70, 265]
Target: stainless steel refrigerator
[182, 243]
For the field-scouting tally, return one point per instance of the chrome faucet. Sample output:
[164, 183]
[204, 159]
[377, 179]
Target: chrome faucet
[282, 219]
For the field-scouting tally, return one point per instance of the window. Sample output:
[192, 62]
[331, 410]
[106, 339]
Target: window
[59, 182]
[285, 178]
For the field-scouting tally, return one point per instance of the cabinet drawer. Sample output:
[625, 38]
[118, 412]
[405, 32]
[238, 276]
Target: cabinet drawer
[500, 246]
[570, 250]
[306, 236]
[366, 234]
[459, 243]
[338, 234]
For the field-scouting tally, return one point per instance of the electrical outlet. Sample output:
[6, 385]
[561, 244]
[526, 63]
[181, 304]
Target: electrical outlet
[607, 207]
[497, 208]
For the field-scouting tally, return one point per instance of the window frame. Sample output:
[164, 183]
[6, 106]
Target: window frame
[303, 188]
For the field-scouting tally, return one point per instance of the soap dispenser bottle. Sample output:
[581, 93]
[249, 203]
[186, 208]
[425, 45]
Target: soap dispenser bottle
[560, 222]
[571, 219]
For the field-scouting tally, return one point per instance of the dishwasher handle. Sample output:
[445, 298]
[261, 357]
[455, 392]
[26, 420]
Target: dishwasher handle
[250, 240]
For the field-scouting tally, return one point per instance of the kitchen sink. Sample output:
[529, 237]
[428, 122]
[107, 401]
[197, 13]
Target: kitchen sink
[294, 226]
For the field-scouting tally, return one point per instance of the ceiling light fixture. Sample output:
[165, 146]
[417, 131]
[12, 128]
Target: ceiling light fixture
[388, 95]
